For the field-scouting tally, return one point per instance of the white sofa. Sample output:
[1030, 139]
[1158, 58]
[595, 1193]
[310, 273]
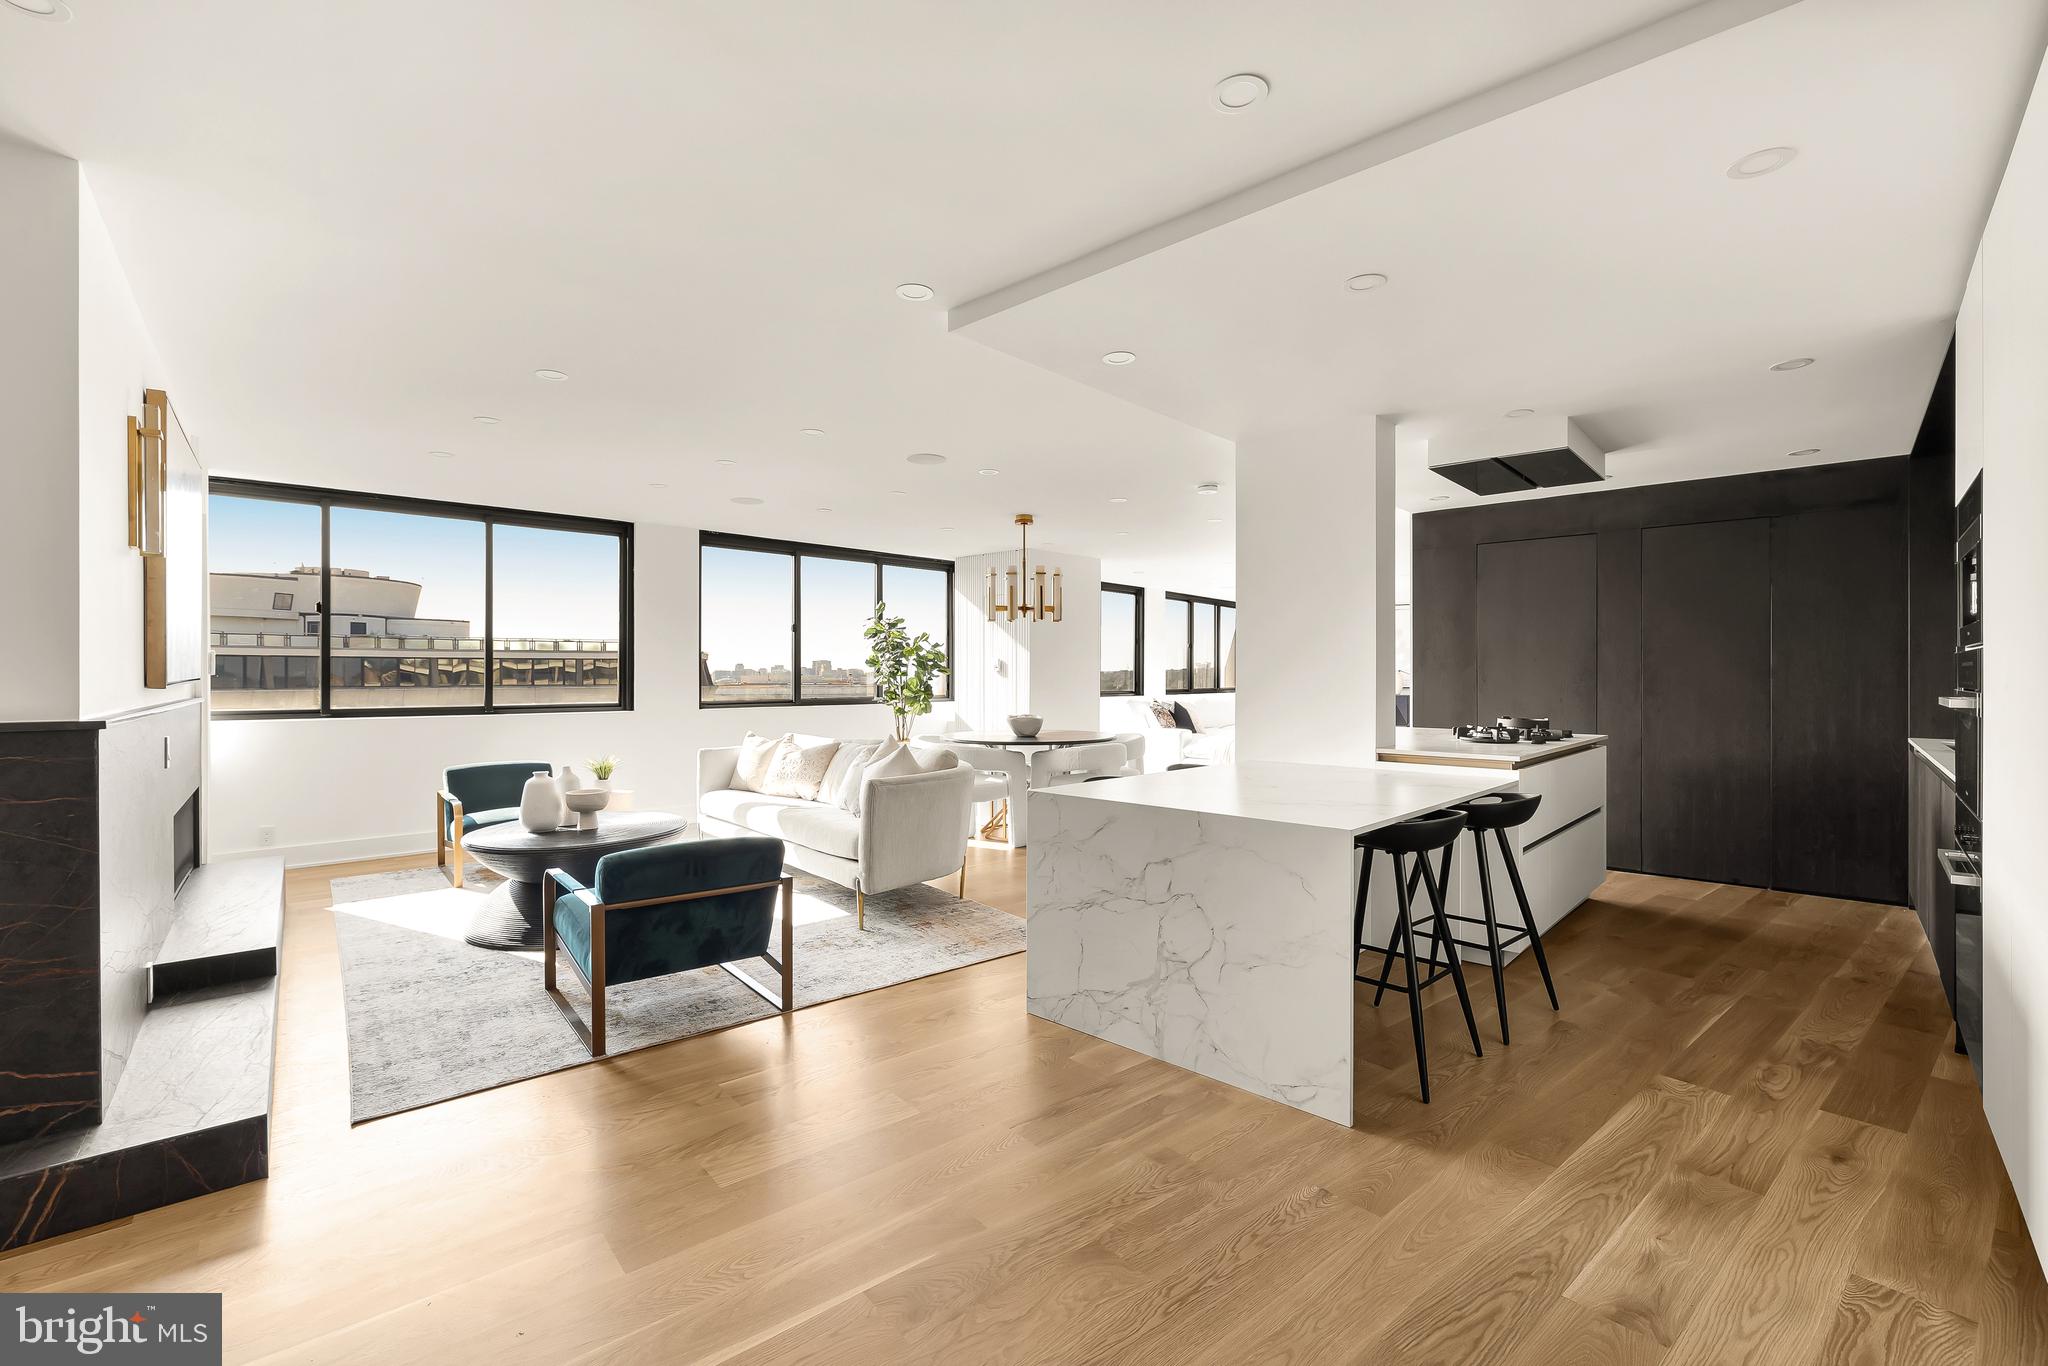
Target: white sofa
[1215, 713]
[912, 828]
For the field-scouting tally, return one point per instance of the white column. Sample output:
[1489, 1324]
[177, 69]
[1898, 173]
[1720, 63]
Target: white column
[1315, 593]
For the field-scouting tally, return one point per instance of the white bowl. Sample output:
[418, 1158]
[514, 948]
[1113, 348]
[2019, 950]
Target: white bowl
[1024, 727]
[585, 799]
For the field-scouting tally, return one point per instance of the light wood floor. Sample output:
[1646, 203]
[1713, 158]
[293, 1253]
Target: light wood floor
[1744, 1139]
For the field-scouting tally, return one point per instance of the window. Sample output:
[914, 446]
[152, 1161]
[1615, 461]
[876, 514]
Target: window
[556, 593]
[833, 602]
[781, 623]
[1123, 640]
[1201, 644]
[414, 606]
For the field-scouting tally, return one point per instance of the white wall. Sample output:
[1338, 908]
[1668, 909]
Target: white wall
[362, 786]
[1052, 669]
[1315, 593]
[2001, 365]
[116, 362]
[39, 203]
[74, 360]
[1970, 380]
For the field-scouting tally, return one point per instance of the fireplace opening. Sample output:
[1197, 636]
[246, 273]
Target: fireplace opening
[185, 841]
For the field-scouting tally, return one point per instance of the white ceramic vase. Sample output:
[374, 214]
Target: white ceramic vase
[540, 803]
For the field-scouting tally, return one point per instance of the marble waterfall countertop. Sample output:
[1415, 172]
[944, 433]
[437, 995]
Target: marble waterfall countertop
[1940, 754]
[1351, 800]
[1204, 917]
[1437, 745]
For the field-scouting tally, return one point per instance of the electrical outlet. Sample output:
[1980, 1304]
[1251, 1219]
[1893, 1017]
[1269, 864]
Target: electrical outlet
[266, 835]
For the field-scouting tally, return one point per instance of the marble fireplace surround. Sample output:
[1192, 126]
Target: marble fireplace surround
[1204, 917]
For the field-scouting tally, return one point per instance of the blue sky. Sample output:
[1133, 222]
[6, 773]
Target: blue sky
[550, 583]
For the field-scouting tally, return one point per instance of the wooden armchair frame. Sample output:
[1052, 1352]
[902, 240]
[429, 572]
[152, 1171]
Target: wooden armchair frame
[556, 882]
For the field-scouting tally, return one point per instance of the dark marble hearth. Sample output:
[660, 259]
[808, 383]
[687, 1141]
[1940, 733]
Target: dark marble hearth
[49, 932]
[192, 1115]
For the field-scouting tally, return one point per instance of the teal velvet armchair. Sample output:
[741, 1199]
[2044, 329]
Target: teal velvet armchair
[473, 796]
[665, 909]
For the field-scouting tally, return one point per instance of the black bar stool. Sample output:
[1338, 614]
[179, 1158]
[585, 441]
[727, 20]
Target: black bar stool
[1500, 813]
[1418, 837]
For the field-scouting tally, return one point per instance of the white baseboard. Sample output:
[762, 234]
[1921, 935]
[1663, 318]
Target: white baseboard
[338, 851]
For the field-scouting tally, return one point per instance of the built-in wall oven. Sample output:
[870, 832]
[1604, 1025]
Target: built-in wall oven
[1962, 864]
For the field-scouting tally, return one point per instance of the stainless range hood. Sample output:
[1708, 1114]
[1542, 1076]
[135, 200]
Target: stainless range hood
[1515, 455]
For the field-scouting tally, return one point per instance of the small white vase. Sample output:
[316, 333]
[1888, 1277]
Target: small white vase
[540, 803]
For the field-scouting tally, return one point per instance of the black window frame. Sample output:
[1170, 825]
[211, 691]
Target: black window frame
[1187, 602]
[1137, 595]
[326, 500]
[796, 551]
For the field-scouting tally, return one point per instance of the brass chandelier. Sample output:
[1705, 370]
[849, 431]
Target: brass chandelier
[1025, 592]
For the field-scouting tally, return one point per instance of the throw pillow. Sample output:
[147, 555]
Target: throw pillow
[897, 763]
[1184, 718]
[797, 768]
[842, 759]
[757, 755]
[849, 786]
[1162, 712]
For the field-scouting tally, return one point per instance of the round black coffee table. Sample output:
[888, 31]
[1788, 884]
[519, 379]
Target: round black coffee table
[510, 915]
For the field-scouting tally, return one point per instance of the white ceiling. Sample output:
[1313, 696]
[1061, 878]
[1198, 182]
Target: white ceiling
[1588, 255]
[353, 227]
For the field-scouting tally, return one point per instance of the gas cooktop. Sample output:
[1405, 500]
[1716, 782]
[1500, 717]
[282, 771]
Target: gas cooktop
[1512, 730]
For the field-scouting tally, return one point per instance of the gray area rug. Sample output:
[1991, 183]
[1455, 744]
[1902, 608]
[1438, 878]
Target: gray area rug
[431, 1018]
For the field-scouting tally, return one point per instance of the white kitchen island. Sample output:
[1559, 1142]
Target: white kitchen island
[1204, 917]
[1561, 851]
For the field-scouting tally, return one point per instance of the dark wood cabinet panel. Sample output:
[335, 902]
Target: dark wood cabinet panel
[1641, 711]
[1538, 644]
[1838, 702]
[1706, 757]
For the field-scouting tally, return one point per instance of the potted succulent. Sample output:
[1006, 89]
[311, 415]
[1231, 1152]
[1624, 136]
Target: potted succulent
[601, 769]
[903, 665]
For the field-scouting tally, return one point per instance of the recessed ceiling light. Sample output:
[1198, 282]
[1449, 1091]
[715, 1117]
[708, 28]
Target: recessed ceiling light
[551, 376]
[945, 528]
[723, 461]
[1119, 500]
[1119, 357]
[1208, 488]
[1372, 279]
[824, 509]
[1215, 521]
[42, 9]
[1801, 455]
[988, 471]
[811, 431]
[916, 293]
[1796, 363]
[1761, 162]
[487, 421]
[925, 458]
[748, 502]
[1520, 412]
[657, 486]
[1241, 91]
[442, 455]
[1439, 497]
[900, 493]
